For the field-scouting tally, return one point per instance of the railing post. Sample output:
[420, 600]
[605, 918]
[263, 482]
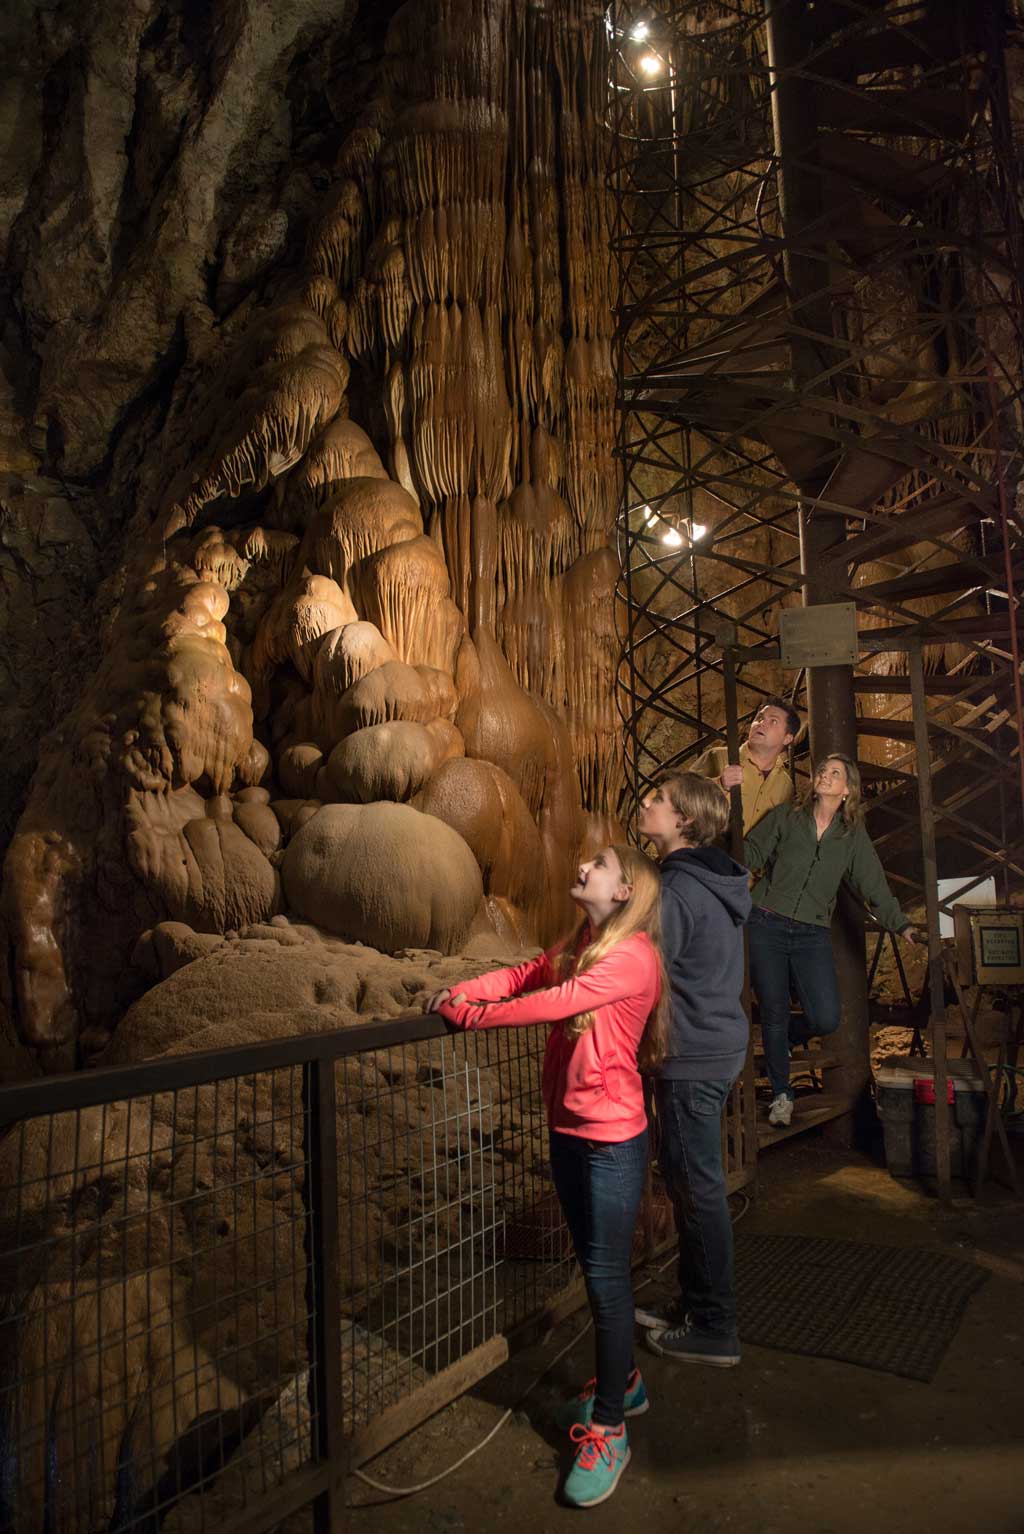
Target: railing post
[323, 1291]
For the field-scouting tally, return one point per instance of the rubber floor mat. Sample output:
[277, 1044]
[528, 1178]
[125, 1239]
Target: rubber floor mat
[896, 1309]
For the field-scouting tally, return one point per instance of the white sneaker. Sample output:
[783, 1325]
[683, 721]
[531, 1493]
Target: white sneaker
[780, 1114]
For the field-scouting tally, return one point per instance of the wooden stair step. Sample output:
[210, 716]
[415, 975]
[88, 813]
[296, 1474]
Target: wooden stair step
[932, 42]
[863, 474]
[985, 628]
[899, 686]
[808, 1114]
[921, 113]
[937, 518]
[905, 178]
[959, 575]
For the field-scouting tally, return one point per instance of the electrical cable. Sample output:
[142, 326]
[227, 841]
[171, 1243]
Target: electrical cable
[410, 1491]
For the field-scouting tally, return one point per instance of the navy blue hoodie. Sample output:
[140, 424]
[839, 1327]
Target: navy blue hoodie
[705, 900]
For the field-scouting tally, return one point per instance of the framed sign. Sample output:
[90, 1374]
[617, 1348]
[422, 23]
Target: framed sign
[825, 635]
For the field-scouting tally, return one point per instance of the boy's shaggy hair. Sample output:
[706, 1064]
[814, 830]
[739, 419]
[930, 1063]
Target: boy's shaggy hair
[700, 801]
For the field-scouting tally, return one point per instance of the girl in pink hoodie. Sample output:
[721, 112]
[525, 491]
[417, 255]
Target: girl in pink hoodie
[601, 992]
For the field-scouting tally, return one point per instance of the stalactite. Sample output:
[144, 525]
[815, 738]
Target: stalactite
[271, 426]
[592, 650]
[360, 518]
[342, 452]
[403, 589]
[337, 240]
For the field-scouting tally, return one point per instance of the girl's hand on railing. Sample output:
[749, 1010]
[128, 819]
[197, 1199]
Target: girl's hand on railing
[435, 1002]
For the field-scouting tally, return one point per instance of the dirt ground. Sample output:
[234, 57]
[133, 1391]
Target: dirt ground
[783, 1441]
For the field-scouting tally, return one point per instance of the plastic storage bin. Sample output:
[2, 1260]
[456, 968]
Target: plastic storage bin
[905, 1097]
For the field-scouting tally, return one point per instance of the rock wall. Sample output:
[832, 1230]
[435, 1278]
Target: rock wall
[358, 656]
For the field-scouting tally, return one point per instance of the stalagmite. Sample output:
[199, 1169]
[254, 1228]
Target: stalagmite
[383, 874]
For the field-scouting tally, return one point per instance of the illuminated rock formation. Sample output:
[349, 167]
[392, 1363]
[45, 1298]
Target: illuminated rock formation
[378, 568]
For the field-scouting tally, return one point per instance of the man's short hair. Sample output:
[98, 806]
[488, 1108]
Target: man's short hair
[794, 724]
[700, 801]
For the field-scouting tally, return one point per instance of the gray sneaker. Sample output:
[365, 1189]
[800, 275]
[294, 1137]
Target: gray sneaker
[780, 1114]
[657, 1315]
[688, 1346]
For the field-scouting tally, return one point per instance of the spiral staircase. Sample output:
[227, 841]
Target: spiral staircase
[818, 231]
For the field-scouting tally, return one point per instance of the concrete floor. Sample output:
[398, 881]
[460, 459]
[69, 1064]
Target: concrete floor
[782, 1442]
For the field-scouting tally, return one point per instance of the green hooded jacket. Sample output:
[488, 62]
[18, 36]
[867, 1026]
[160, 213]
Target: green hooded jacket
[800, 875]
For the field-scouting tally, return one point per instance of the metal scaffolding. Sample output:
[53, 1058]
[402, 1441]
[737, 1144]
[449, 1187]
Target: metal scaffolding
[818, 232]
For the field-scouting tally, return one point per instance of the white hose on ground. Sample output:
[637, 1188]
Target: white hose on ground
[410, 1491]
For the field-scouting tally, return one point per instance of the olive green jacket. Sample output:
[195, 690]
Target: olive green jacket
[800, 875]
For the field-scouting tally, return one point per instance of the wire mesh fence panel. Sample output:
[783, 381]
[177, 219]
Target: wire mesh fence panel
[450, 1233]
[154, 1310]
[203, 1288]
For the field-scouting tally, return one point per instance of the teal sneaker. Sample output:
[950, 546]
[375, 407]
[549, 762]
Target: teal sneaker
[579, 1411]
[600, 1460]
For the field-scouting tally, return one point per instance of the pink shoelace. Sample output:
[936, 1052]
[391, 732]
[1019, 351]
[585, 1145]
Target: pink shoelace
[594, 1445]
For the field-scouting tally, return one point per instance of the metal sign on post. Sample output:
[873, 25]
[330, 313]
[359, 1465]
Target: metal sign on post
[822, 635]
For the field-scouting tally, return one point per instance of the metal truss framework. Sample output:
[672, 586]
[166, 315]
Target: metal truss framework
[818, 233]
[820, 345]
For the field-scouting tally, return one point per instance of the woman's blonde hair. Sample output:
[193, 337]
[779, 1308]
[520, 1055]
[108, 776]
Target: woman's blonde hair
[640, 913]
[852, 807]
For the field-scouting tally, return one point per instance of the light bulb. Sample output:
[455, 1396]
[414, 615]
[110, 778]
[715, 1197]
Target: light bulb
[650, 64]
[698, 531]
[672, 537]
[639, 32]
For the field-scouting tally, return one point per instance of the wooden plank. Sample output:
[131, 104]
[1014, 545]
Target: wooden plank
[986, 627]
[937, 518]
[397, 1420]
[958, 575]
[927, 43]
[834, 1106]
[922, 113]
[906, 178]
[936, 988]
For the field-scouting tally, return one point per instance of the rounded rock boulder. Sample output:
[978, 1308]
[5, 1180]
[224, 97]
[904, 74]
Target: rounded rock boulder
[385, 875]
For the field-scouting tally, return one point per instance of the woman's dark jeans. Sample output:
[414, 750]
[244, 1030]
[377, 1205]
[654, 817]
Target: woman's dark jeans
[690, 1156]
[786, 956]
[599, 1187]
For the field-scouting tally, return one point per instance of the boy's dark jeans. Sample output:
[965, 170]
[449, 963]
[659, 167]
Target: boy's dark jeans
[690, 1156]
[785, 956]
[599, 1187]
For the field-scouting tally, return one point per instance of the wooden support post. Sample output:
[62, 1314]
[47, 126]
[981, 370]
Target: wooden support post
[993, 1119]
[936, 988]
[831, 703]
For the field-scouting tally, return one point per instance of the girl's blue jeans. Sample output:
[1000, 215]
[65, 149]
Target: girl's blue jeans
[599, 1187]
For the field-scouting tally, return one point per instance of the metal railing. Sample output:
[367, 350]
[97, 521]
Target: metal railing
[226, 1276]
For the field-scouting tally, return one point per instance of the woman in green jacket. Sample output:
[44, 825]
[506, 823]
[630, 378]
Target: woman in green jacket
[803, 856]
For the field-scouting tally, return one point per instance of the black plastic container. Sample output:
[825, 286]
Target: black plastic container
[905, 1097]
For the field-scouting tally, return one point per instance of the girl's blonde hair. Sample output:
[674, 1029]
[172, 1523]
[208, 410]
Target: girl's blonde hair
[852, 807]
[640, 913]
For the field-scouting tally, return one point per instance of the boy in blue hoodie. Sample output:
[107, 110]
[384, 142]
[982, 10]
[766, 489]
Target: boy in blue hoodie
[705, 901]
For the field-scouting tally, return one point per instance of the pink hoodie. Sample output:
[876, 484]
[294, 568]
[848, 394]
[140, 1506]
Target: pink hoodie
[591, 1085]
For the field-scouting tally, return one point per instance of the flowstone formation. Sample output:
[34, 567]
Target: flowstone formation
[363, 663]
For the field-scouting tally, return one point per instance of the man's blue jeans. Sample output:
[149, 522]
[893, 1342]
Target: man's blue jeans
[690, 1156]
[599, 1187]
[787, 956]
